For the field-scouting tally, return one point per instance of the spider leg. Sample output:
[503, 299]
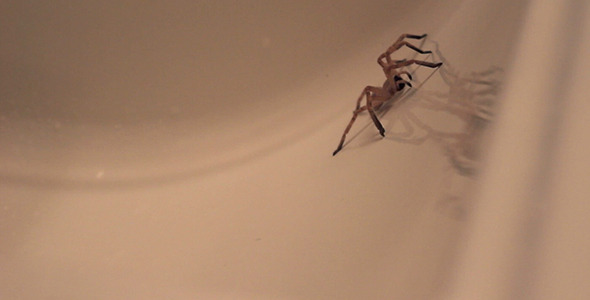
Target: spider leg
[401, 38]
[371, 94]
[355, 114]
[397, 45]
[409, 36]
[406, 73]
[410, 62]
[414, 36]
[415, 48]
[387, 54]
[371, 110]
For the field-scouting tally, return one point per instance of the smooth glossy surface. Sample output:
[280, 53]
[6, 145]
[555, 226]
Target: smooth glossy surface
[183, 150]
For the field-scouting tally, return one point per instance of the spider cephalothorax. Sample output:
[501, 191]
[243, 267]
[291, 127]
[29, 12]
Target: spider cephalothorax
[394, 82]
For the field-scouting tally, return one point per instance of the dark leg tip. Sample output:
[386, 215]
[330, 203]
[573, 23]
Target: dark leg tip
[438, 65]
[337, 150]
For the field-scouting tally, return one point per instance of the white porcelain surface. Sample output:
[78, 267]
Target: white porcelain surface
[182, 149]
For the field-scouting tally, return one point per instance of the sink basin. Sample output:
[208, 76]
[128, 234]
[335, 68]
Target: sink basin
[183, 149]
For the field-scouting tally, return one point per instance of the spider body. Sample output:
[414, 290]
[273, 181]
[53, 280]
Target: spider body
[394, 82]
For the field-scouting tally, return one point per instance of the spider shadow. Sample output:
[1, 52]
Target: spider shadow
[455, 117]
[468, 100]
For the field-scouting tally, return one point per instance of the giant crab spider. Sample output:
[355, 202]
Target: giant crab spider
[376, 96]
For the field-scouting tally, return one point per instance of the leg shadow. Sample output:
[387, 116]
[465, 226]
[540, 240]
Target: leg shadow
[468, 101]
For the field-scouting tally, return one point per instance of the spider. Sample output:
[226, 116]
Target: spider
[394, 82]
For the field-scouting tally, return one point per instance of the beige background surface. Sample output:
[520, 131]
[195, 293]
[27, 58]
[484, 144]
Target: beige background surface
[182, 149]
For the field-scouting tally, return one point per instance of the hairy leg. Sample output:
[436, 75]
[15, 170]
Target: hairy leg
[375, 96]
[410, 62]
[397, 45]
[343, 138]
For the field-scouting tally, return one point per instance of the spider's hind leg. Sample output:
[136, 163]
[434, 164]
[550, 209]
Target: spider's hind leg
[410, 36]
[406, 63]
[422, 63]
[375, 96]
[355, 114]
[385, 58]
[414, 36]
